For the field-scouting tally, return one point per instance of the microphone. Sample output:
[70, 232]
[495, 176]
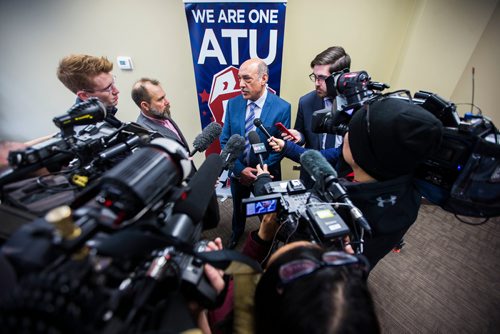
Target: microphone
[86, 112]
[323, 173]
[189, 211]
[257, 146]
[258, 123]
[211, 132]
[235, 146]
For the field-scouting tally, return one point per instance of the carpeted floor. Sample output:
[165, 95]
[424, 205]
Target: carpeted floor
[446, 279]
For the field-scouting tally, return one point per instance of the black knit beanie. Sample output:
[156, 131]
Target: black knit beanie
[391, 137]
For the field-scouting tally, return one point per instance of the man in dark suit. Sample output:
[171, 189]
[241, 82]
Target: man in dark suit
[331, 60]
[254, 102]
[154, 106]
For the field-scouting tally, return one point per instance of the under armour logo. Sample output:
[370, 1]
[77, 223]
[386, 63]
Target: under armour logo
[381, 202]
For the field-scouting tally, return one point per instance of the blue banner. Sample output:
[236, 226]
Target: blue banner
[225, 34]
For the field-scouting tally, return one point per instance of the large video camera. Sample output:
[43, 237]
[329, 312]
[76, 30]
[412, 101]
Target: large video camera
[463, 176]
[124, 258]
[356, 88]
[86, 146]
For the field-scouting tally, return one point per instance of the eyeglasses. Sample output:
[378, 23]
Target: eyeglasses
[108, 89]
[294, 270]
[315, 77]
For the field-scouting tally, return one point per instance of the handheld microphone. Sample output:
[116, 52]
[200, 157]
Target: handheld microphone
[86, 112]
[323, 173]
[234, 147]
[258, 123]
[211, 132]
[257, 146]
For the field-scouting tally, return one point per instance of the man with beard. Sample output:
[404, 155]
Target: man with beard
[150, 97]
[154, 106]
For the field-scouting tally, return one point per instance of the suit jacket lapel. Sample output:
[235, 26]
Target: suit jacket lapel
[184, 142]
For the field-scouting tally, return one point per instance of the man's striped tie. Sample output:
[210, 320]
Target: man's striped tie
[249, 126]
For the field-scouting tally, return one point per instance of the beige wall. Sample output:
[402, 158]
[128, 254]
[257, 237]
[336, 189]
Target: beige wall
[414, 44]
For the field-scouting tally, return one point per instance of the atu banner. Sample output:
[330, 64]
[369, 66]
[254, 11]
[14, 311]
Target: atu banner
[225, 34]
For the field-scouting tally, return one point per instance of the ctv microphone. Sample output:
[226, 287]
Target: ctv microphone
[257, 146]
[234, 147]
[319, 168]
[86, 112]
[211, 132]
[258, 123]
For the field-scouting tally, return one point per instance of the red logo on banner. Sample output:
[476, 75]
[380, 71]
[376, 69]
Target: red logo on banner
[225, 85]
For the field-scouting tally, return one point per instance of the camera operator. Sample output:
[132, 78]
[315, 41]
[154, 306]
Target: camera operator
[300, 279]
[88, 76]
[386, 141]
[331, 60]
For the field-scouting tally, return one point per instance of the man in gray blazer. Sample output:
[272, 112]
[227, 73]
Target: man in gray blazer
[154, 106]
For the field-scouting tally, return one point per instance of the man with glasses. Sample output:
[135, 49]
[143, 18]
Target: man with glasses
[323, 65]
[89, 76]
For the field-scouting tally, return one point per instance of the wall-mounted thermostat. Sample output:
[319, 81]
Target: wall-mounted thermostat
[125, 63]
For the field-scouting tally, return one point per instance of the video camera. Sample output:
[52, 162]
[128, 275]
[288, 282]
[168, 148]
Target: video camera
[300, 214]
[73, 159]
[356, 88]
[463, 176]
[124, 258]
[318, 215]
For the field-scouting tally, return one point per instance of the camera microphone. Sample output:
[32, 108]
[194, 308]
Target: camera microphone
[86, 112]
[211, 132]
[234, 147]
[319, 168]
[257, 146]
[258, 123]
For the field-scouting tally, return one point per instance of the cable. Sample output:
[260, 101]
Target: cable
[471, 223]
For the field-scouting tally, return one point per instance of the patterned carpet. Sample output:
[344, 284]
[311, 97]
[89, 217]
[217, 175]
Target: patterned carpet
[446, 279]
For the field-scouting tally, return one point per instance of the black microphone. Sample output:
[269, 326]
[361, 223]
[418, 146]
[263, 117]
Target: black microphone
[235, 146]
[323, 173]
[90, 111]
[211, 132]
[189, 211]
[258, 123]
[257, 146]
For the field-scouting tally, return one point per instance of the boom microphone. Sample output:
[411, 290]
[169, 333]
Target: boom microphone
[257, 146]
[188, 212]
[233, 149]
[323, 173]
[211, 132]
[86, 112]
[258, 123]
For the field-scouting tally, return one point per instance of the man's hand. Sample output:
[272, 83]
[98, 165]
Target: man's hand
[294, 132]
[276, 144]
[264, 170]
[215, 277]
[268, 227]
[248, 176]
